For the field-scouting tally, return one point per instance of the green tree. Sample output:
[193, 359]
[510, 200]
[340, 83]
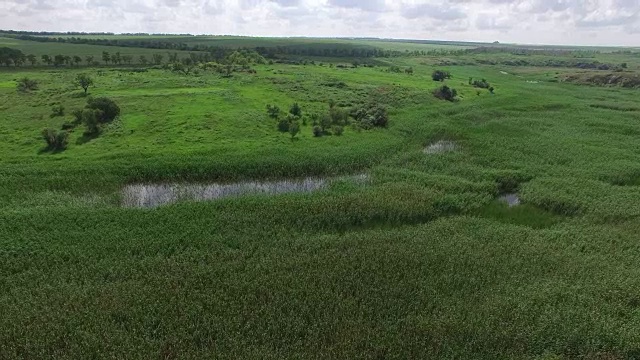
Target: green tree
[89, 60]
[32, 59]
[77, 60]
[106, 57]
[127, 59]
[47, 59]
[143, 60]
[84, 81]
[109, 110]
[157, 59]
[58, 60]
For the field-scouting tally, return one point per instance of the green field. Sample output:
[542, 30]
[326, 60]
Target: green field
[421, 260]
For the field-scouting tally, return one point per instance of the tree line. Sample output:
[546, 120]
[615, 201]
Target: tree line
[272, 52]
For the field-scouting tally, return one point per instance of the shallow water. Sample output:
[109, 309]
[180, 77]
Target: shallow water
[511, 199]
[440, 147]
[153, 195]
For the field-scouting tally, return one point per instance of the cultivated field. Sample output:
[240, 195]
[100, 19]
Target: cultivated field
[358, 239]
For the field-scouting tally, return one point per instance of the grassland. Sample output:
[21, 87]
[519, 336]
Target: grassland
[423, 261]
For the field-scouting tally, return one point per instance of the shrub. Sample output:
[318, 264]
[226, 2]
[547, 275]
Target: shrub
[283, 125]
[57, 110]
[482, 84]
[338, 116]
[295, 110]
[317, 131]
[337, 130]
[91, 119]
[440, 75]
[56, 140]
[491, 89]
[273, 111]
[294, 129]
[370, 116]
[26, 84]
[109, 110]
[445, 93]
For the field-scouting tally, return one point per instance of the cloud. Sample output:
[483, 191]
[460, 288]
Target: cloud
[433, 11]
[555, 21]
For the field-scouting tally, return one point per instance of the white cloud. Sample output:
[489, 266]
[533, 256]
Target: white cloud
[597, 22]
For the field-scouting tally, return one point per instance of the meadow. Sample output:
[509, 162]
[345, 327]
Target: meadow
[421, 260]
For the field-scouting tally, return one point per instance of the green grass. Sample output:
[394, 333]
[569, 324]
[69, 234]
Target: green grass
[420, 262]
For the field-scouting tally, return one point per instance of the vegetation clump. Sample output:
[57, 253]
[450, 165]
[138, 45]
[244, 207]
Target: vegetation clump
[56, 140]
[482, 84]
[440, 75]
[445, 93]
[370, 116]
[25, 85]
[57, 110]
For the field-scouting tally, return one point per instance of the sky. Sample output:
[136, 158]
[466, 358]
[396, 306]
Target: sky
[570, 22]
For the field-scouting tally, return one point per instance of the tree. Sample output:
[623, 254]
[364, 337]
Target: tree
[32, 59]
[143, 60]
[109, 110]
[89, 59]
[294, 129]
[157, 59]
[127, 59]
[106, 57]
[10, 56]
[77, 60]
[84, 81]
[295, 110]
[47, 59]
[67, 60]
[440, 75]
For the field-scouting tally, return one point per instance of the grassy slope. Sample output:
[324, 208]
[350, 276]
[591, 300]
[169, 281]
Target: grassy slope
[420, 263]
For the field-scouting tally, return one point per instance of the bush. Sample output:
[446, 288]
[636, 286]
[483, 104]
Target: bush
[283, 125]
[57, 110]
[273, 111]
[482, 84]
[370, 116]
[109, 110]
[296, 110]
[294, 129]
[91, 119]
[26, 84]
[317, 131]
[445, 93]
[440, 75]
[56, 140]
[337, 130]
